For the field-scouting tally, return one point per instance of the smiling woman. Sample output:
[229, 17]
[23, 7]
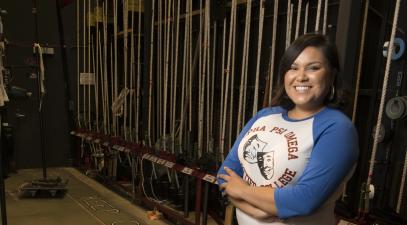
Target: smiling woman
[291, 160]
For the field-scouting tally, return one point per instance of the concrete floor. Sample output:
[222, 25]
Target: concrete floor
[86, 203]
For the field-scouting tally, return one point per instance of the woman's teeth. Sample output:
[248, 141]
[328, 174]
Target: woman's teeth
[302, 88]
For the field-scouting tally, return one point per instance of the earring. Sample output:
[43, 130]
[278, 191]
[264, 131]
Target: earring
[332, 95]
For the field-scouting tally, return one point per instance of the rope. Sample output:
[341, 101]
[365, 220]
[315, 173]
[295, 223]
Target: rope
[288, 25]
[89, 68]
[222, 88]
[137, 116]
[232, 84]
[115, 74]
[273, 51]
[175, 76]
[105, 50]
[306, 18]
[213, 82]
[360, 60]
[243, 78]
[208, 80]
[184, 73]
[101, 67]
[297, 26]
[150, 79]
[201, 87]
[190, 68]
[96, 66]
[259, 42]
[382, 101]
[113, 124]
[159, 75]
[402, 184]
[78, 118]
[317, 20]
[325, 17]
[131, 77]
[231, 30]
[95, 84]
[3, 94]
[125, 51]
[84, 64]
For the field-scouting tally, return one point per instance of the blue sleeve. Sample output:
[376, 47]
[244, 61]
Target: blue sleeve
[232, 159]
[334, 154]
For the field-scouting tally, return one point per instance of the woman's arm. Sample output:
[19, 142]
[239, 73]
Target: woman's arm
[259, 198]
[250, 209]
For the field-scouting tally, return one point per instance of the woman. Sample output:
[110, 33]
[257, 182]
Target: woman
[290, 161]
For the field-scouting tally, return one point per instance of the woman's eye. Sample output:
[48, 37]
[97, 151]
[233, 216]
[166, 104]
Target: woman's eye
[293, 68]
[313, 68]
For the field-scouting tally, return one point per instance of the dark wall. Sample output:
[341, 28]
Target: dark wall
[19, 29]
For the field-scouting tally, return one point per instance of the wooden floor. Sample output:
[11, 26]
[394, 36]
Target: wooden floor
[85, 203]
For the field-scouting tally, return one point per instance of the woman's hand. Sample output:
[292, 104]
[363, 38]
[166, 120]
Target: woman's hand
[233, 185]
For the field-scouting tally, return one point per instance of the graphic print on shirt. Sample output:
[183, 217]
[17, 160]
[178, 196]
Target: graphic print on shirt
[253, 153]
[274, 152]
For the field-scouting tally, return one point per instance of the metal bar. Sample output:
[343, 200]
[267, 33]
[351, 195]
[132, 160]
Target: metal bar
[2, 186]
[198, 201]
[205, 204]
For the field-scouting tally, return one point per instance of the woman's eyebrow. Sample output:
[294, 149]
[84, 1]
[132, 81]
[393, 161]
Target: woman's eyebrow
[308, 63]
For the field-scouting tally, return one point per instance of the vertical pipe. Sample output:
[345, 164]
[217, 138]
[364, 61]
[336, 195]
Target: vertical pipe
[205, 204]
[186, 199]
[2, 186]
[198, 201]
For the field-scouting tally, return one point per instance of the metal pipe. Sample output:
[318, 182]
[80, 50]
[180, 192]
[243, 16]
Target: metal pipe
[205, 204]
[198, 201]
[2, 186]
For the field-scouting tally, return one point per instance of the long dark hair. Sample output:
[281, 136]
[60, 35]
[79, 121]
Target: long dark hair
[338, 96]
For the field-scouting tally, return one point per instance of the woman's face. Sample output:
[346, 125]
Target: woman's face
[307, 82]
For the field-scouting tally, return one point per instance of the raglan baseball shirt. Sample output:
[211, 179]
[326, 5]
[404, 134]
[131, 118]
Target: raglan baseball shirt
[306, 160]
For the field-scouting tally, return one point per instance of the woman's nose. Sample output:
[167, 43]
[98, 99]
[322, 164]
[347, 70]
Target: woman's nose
[301, 75]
